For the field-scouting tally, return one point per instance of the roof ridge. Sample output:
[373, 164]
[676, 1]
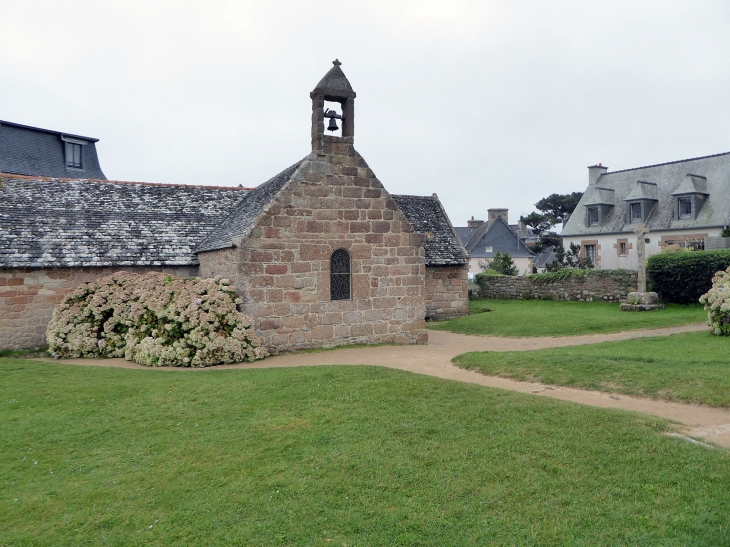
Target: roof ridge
[666, 163]
[178, 185]
[52, 131]
[412, 196]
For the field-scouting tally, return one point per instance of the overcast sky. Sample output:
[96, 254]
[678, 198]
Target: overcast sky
[485, 103]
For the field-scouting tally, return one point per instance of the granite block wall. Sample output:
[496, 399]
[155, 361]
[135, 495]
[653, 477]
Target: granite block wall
[609, 286]
[29, 295]
[447, 291]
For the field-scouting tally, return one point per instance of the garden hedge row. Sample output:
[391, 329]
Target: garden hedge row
[683, 277]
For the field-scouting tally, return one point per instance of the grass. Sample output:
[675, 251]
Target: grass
[691, 367]
[355, 455]
[529, 318]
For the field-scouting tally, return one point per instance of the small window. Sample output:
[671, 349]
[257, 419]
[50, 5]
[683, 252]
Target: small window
[74, 155]
[685, 207]
[488, 249]
[622, 248]
[591, 253]
[340, 275]
[636, 212]
[592, 216]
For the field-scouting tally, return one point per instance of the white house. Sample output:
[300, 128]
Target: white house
[684, 202]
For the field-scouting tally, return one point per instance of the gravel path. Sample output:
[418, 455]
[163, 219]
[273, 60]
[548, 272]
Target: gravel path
[434, 359]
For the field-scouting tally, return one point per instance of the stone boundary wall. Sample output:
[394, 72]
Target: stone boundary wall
[447, 292]
[607, 286]
[29, 295]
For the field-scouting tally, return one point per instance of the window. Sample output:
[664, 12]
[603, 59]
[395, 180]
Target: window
[73, 155]
[622, 248]
[592, 216]
[488, 249]
[590, 251]
[636, 212]
[685, 207]
[340, 275]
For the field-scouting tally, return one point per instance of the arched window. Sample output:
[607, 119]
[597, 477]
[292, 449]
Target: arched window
[340, 275]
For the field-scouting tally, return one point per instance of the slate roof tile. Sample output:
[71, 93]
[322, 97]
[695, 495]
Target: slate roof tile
[427, 215]
[64, 222]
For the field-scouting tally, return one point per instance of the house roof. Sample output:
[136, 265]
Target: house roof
[65, 222]
[497, 236]
[427, 215]
[242, 217]
[464, 234]
[26, 150]
[707, 175]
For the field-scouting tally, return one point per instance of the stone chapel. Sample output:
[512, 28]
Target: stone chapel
[321, 254]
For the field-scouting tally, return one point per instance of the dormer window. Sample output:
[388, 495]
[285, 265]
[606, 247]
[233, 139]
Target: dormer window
[635, 211]
[685, 207]
[74, 155]
[592, 216]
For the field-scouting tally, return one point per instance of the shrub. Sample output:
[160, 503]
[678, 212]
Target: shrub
[559, 275]
[682, 277]
[717, 303]
[155, 320]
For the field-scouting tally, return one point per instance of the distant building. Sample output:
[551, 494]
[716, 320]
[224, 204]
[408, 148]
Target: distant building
[36, 152]
[684, 202]
[482, 240]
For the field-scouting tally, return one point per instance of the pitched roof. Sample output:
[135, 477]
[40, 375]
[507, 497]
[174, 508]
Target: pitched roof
[65, 222]
[427, 215]
[26, 150]
[243, 215]
[708, 175]
[497, 237]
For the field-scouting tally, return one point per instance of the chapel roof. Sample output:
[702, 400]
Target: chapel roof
[46, 222]
[427, 215]
[242, 217]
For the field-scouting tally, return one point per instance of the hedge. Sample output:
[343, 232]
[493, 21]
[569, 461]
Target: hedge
[683, 276]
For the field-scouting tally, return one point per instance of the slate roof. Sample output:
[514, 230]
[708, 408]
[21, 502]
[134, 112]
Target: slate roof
[427, 215]
[464, 234]
[500, 237]
[26, 150]
[65, 222]
[243, 215]
[707, 175]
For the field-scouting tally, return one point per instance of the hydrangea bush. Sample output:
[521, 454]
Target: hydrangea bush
[717, 303]
[155, 320]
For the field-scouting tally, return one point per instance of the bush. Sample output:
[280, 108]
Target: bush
[502, 263]
[717, 304]
[682, 277]
[155, 320]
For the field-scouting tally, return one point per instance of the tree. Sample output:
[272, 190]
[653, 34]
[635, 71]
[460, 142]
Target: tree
[502, 263]
[555, 208]
[569, 259]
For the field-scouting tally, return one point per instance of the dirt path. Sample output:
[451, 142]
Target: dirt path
[435, 360]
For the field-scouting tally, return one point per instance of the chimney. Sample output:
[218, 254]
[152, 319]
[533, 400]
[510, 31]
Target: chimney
[492, 215]
[594, 172]
[474, 223]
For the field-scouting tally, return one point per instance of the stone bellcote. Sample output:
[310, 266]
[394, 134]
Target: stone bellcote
[335, 88]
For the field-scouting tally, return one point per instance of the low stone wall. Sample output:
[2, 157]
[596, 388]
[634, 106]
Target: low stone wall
[29, 295]
[610, 286]
[447, 293]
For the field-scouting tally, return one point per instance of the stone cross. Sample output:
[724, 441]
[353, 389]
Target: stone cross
[641, 232]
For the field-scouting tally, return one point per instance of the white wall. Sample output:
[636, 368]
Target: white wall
[524, 265]
[609, 257]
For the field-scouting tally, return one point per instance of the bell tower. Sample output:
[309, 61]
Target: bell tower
[333, 88]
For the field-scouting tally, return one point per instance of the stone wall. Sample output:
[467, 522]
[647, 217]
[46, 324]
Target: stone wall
[334, 201]
[29, 295]
[607, 285]
[447, 292]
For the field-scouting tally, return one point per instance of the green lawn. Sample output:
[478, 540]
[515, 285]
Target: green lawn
[691, 367]
[358, 455]
[528, 318]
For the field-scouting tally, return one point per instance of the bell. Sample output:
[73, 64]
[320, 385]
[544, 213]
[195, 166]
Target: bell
[333, 125]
